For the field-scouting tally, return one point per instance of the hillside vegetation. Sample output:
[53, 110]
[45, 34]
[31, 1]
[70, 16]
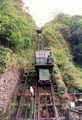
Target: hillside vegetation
[63, 36]
[17, 33]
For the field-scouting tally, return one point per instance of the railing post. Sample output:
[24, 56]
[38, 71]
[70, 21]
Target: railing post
[32, 103]
[80, 116]
[31, 107]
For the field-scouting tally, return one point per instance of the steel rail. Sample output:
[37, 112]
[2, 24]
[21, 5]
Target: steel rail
[17, 115]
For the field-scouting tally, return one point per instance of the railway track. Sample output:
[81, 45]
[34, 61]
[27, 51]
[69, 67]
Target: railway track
[41, 106]
[45, 104]
[24, 105]
[45, 107]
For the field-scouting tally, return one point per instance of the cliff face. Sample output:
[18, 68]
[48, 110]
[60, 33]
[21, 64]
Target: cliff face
[8, 83]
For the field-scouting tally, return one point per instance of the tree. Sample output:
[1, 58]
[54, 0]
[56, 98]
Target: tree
[16, 26]
[78, 53]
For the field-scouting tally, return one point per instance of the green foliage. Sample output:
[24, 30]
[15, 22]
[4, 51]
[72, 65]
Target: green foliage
[64, 30]
[72, 89]
[51, 36]
[72, 21]
[71, 75]
[17, 32]
[63, 35]
[5, 54]
[71, 29]
[59, 81]
[78, 53]
[16, 27]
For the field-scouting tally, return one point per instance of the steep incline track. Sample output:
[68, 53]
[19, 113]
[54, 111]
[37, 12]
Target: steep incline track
[45, 108]
[41, 105]
[24, 105]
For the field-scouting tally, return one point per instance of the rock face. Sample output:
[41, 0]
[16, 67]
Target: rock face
[8, 83]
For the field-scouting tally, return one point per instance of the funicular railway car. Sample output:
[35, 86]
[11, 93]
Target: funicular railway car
[44, 66]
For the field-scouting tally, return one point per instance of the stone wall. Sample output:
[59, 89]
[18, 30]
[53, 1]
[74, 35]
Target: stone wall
[8, 83]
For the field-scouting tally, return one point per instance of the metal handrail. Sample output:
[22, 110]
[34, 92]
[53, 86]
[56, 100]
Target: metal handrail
[43, 60]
